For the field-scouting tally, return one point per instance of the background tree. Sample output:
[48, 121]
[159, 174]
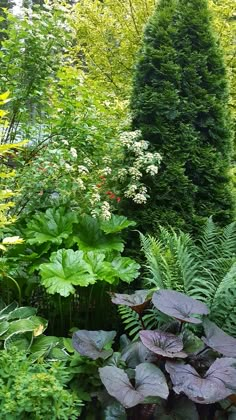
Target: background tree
[180, 104]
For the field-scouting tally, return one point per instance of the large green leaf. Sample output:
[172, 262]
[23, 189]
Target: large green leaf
[35, 324]
[126, 268]
[66, 269]
[116, 224]
[52, 226]
[101, 269]
[90, 237]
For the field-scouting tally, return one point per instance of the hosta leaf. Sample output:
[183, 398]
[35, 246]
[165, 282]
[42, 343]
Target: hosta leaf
[22, 312]
[90, 237]
[92, 343]
[4, 325]
[137, 301]
[24, 325]
[43, 343]
[66, 269]
[20, 340]
[218, 382]
[218, 339]
[4, 313]
[125, 268]
[179, 306]
[116, 224]
[149, 382]
[163, 343]
[52, 226]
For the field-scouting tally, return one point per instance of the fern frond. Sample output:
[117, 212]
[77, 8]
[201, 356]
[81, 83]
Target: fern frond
[131, 321]
[223, 309]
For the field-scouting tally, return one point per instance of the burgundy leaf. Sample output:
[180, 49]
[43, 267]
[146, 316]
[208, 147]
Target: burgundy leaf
[137, 301]
[218, 382]
[163, 343]
[92, 343]
[179, 306]
[218, 339]
[150, 382]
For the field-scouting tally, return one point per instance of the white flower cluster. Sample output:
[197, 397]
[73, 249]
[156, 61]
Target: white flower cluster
[80, 184]
[106, 214]
[82, 170]
[141, 161]
[73, 152]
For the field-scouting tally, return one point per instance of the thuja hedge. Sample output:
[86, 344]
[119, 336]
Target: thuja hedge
[180, 104]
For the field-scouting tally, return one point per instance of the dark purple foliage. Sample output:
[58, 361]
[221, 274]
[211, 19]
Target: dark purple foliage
[92, 343]
[136, 353]
[149, 381]
[218, 382]
[218, 339]
[137, 301]
[163, 343]
[179, 306]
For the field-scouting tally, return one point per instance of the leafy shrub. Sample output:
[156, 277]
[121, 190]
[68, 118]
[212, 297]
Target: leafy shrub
[34, 391]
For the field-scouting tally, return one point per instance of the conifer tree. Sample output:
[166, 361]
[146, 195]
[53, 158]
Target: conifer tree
[180, 104]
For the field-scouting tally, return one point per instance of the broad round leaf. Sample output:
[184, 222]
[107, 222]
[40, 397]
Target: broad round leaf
[125, 268]
[66, 269]
[92, 343]
[179, 306]
[218, 339]
[218, 382]
[149, 380]
[137, 301]
[136, 353]
[118, 385]
[162, 343]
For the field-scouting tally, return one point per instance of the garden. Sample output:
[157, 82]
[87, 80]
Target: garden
[117, 210]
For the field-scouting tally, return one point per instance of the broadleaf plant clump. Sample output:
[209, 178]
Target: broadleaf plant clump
[169, 368]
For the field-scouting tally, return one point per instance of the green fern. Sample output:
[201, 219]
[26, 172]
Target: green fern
[204, 269]
[131, 321]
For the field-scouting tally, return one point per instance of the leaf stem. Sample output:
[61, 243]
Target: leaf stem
[17, 286]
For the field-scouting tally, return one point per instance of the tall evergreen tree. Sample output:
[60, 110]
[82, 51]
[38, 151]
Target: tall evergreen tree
[180, 104]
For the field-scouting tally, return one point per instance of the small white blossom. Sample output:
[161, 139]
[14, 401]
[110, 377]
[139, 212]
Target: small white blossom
[65, 142]
[73, 152]
[107, 160]
[106, 171]
[106, 214]
[152, 170]
[122, 174]
[88, 162]
[82, 170]
[135, 173]
[95, 198]
[81, 184]
[140, 198]
[131, 190]
[68, 167]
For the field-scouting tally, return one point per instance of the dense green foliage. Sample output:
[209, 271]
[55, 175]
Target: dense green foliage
[204, 268]
[34, 391]
[180, 104]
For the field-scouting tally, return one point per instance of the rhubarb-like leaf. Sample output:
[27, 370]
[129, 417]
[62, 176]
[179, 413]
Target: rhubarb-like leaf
[90, 237]
[92, 343]
[163, 343]
[218, 382]
[137, 301]
[52, 226]
[218, 339]
[179, 306]
[65, 270]
[116, 224]
[149, 382]
[125, 268]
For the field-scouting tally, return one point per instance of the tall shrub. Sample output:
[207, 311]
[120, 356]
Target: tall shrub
[180, 104]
